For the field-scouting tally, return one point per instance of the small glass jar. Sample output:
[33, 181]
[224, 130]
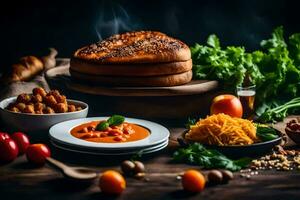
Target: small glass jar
[246, 94]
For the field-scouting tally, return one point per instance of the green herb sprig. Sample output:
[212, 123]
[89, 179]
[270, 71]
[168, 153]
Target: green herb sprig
[279, 112]
[114, 120]
[197, 154]
[266, 133]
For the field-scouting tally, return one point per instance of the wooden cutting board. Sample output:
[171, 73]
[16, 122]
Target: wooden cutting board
[61, 74]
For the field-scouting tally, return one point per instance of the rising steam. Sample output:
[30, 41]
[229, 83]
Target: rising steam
[113, 19]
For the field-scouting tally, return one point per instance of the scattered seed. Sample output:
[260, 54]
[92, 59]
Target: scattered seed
[280, 159]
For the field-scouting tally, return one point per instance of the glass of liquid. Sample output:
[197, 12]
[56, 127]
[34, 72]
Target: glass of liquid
[246, 94]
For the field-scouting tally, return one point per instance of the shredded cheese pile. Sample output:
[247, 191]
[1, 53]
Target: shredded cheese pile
[221, 129]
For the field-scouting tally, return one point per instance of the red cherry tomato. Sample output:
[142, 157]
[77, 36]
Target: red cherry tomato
[21, 140]
[37, 154]
[4, 136]
[8, 150]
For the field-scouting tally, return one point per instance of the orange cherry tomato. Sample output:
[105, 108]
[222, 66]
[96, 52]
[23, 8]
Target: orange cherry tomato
[112, 182]
[227, 104]
[37, 154]
[193, 181]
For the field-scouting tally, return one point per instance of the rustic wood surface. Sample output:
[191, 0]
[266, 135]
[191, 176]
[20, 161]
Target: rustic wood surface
[19, 180]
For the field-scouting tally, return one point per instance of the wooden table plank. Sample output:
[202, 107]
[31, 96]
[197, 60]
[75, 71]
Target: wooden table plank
[18, 180]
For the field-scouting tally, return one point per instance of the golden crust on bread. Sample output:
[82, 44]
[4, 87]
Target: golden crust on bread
[135, 47]
[143, 69]
[27, 68]
[155, 81]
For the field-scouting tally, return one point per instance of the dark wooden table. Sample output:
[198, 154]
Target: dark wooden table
[18, 180]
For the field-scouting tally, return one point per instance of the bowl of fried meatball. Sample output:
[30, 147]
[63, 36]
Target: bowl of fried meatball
[40, 110]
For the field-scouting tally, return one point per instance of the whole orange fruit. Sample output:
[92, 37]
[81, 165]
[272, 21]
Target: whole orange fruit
[193, 181]
[112, 182]
[227, 104]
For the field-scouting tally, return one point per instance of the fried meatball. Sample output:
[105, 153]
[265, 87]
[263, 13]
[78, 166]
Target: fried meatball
[21, 106]
[23, 98]
[71, 108]
[39, 91]
[78, 108]
[39, 106]
[39, 112]
[50, 101]
[53, 93]
[36, 98]
[61, 108]
[11, 105]
[29, 109]
[60, 98]
[30, 104]
[14, 109]
[48, 110]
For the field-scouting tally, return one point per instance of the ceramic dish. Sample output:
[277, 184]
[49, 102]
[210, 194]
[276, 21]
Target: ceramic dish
[61, 133]
[38, 122]
[110, 152]
[237, 151]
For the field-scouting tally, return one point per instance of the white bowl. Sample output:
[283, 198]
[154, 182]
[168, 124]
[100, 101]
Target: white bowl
[38, 122]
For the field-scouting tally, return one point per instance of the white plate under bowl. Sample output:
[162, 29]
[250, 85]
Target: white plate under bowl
[61, 133]
[106, 149]
[109, 150]
[145, 151]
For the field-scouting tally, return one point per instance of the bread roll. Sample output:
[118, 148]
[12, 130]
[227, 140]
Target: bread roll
[26, 69]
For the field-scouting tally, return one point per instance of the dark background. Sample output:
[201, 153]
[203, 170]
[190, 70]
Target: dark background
[30, 27]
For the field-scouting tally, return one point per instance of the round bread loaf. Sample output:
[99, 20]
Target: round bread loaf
[155, 81]
[146, 69]
[135, 47]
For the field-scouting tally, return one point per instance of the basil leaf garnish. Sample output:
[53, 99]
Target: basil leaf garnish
[102, 126]
[115, 120]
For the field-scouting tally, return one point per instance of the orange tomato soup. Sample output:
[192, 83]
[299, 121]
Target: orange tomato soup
[126, 132]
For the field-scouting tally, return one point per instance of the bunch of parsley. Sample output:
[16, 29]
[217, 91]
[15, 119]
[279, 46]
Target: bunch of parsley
[274, 69]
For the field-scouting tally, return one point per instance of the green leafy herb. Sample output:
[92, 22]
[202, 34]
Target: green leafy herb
[212, 62]
[197, 154]
[266, 133]
[190, 122]
[102, 126]
[274, 69]
[294, 48]
[116, 120]
[279, 112]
